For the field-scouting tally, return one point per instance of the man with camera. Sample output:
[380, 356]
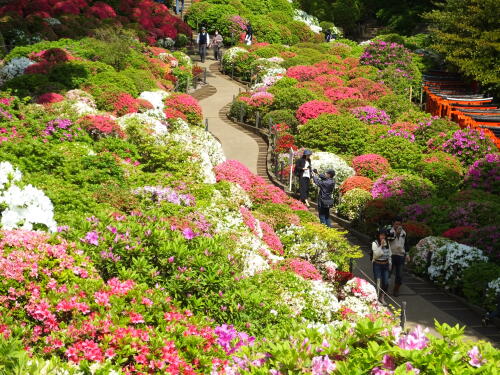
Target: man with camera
[326, 185]
[399, 248]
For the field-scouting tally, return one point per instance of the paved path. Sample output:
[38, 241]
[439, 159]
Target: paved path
[237, 145]
[425, 302]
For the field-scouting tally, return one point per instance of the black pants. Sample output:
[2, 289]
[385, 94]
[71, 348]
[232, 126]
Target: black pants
[398, 262]
[217, 53]
[304, 188]
[203, 52]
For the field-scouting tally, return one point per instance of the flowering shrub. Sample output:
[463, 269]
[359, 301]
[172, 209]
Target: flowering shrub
[421, 254]
[259, 190]
[369, 90]
[303, 72]
[301, 267]
[101, 126]
[401, 152]
[486, 238]
[371, 115]
[370, 165]
[285, 142]
[444, 170]
[328, 80]
[449, 261]
[399, 133]
[381, 54]
[323, 161]
[458, 233]
[23, 207]
[49, 98]
[484, 174]
[353, 203]
[261, 99]
[340, 93]
[408, 127]
[187, 105]
[416, 230]
[356, 182]
[468, 145]
[124, 104]
[407, 188]
[313, 109]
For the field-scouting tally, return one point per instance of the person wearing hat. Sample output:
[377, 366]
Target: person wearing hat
[326, 185]
[303, 171]
[203, 41]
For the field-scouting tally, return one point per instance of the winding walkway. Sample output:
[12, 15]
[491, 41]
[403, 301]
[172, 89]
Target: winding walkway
[425, 302]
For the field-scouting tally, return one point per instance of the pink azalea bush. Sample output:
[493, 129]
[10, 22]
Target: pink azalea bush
[49, 98]
[301, 267]
[371, 115]
[261, 99]
[313, 109]
[260, 191]
[187, 105]
[405, 187]
[484, 174]
[303, 72]
[340, 93]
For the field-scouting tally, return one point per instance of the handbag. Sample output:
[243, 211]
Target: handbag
[326, 202]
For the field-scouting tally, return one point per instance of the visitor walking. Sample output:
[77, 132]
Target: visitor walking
[217, 45]
[303, 171]
[326, 185]
[328, 35]
[179, 6]
[399, 248]
[249, 35]
[381, 259]
[203, 41]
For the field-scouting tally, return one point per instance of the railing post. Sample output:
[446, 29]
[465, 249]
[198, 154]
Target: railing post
[242, 114]
[205, 76]
[206, 124]
[257, 119]
[403, 315]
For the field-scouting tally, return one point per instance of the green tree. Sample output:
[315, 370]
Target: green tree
[467, 33]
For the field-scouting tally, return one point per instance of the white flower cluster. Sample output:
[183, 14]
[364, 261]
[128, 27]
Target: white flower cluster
[156, 98]
[169, 58]
[361, 288]
[166, 42]
[231, 54]
[495, 286]
[153, 121]
[424, 249]
[309, 20]
[324, 301]
[82, 102]
[184, 60]
[450, 260]
[323, 161]
[23, 207]
[52, 21]
[14, 68]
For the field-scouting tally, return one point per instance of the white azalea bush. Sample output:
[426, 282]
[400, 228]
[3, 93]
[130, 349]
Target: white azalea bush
[23, 206]
[422, 252]
[14, 68]
[231, 54]
[323, 161]
[449, 261]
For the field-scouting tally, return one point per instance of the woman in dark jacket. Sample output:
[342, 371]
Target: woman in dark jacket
[303, 171]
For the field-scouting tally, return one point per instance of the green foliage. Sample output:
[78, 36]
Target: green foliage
[212, 16]
[475, 282]
[73, 74]
[353, 203]
[346, 14]
[27, 85]
[433, 128]
[401, 153]
[395, 105]
[340, 134]
[444, 170]
[291, 97]
[468, 35]
[282, 116]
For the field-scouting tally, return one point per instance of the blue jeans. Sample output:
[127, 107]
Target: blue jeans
[381, 272]
[324, 216]
[398, 262]
[179, 6]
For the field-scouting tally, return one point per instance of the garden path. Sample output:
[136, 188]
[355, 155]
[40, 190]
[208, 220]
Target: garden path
[425, 302]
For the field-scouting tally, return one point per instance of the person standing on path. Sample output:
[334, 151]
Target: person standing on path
[399, 249]
[217, 45]
[303, 171]
[179, 6]
[326, 185]
[382, 263]
[203, 41]
[328, 36]
[249, 35]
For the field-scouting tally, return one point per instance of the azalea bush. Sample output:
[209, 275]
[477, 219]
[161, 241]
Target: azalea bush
[407, 188]
[484, 174]
[356, 182]
[444, 170]
[313, 109]
[370, 165]
[401, 152]
[353, 203]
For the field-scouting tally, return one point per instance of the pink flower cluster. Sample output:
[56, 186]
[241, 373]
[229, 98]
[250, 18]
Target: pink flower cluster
[49, 98]
[259, 190]
[484, 174]
[303, 72]
[399, 133]
[301, 267]
[370, 165]
[371, 115]
[271, 238]
[261, 99]
[340, 93]
[313, 109]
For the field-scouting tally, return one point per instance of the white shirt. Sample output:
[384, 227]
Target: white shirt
[398, 243]
[307, 172]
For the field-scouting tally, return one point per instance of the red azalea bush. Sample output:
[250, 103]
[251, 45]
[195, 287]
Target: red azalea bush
[415, 229]
[303, 72]
[458, 233]
[369, 90]
[313, 109]
[124, 104]
[172, 113]
[409, 127]
[259, 190]
[67, 311]
[101, 126]
[186, 104]
[285, 142]
[301, 267]
[101, 10]
[371, 165]
[328, 80]
[49, 98]
[356, 182]
[340, 93]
